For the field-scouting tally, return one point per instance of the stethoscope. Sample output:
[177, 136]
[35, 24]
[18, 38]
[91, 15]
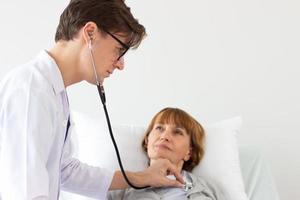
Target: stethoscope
[103, 100]
[187, 185]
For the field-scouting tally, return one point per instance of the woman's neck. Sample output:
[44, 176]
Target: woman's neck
[178, 165]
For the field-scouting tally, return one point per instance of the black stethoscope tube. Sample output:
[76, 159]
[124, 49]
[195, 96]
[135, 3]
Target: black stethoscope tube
[103, 100]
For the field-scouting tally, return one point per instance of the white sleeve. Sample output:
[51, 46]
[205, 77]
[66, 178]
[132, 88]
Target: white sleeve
[81, 178]
[26, 140]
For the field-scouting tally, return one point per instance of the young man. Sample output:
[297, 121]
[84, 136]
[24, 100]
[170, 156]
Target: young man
[35, 155]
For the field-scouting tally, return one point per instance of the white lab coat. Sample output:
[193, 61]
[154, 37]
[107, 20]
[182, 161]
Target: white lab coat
[35, 162]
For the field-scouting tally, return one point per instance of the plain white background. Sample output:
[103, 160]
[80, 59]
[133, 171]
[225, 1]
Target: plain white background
[215, 59]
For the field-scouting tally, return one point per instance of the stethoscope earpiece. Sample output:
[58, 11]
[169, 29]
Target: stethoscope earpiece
[90, 44]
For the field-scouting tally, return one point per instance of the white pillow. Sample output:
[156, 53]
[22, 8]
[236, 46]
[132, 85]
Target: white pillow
[94, 146]
[221, 159]
[220, 162]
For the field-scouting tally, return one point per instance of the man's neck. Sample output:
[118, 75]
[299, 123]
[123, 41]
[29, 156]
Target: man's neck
[66, 57]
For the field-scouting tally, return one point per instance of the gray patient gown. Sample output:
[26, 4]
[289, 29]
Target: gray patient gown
[201, 190]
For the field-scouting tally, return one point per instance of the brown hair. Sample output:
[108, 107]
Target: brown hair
[109, 15]
[192, 126]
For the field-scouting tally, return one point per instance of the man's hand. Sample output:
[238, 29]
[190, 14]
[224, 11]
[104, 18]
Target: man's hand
[154, 176]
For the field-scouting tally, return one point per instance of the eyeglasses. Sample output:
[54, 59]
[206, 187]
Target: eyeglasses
[123, 50]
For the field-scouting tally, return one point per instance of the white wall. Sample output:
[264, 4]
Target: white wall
[215, 59]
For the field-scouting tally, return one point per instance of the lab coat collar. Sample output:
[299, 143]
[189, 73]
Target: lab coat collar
[51, 71]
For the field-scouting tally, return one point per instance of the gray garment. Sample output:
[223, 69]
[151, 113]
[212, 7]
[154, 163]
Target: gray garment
[202, 190]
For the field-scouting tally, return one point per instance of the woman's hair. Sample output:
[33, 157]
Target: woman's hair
[109, 15]
[193, 128]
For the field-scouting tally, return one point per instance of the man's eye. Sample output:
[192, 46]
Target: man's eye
[121, 50]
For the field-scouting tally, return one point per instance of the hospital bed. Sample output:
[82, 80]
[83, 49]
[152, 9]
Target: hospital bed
[256, 174]
[257, 177]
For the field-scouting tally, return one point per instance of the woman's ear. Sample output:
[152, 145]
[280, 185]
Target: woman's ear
[146, 143]
[188, 154]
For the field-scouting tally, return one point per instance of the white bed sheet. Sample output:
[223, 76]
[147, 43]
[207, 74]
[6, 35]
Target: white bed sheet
[258, 179]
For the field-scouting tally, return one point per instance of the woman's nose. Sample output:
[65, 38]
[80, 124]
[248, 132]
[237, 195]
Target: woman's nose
[120, 64]
[165, 135]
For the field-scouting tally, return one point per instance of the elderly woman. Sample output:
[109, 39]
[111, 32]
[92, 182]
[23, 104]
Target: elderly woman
[176, 136]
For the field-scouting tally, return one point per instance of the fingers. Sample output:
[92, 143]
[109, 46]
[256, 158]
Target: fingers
[173, 170]
[179, 177]
[171, 183]
[158, 171]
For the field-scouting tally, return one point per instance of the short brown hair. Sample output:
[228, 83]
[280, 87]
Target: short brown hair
[192, 126]
[109, 15]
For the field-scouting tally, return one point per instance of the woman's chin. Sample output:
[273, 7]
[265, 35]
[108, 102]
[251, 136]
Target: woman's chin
[159, 156]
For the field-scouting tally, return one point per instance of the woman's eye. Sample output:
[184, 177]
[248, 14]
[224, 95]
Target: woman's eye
[158, 128]
[179, 132]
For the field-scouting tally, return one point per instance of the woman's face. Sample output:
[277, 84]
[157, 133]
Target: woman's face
[169, 141]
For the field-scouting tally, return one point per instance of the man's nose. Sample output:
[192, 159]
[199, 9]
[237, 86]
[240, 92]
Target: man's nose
[120, 64]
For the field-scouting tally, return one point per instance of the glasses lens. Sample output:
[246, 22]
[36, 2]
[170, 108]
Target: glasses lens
[125, 46]
[122, 53]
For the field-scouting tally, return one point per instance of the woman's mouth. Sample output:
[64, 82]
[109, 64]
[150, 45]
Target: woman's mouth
[162, 146]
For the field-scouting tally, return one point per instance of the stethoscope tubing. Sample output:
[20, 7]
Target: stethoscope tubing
[103, 100]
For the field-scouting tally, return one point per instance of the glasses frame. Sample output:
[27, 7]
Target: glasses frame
[125, 46]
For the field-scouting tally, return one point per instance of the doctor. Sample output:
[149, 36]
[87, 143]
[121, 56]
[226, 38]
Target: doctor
[35, 152]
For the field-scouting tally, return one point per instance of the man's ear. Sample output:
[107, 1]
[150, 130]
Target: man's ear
[89, 31]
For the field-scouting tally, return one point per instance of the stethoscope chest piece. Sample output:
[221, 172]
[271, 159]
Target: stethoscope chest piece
[187, 186]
